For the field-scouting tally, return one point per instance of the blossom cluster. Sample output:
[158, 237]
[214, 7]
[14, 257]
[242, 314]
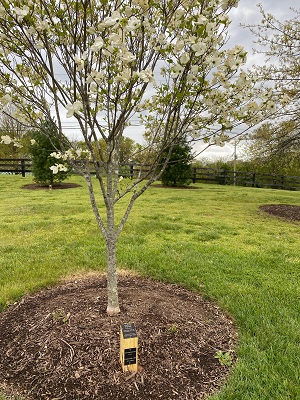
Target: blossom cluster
[67, 156]
[6, 139]
[56, 168]
[72, 154]
[126, 59]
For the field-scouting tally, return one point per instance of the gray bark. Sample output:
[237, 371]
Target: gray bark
[111, 254]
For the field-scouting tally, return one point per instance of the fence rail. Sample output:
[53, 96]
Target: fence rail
[199, 174]
[15, 165]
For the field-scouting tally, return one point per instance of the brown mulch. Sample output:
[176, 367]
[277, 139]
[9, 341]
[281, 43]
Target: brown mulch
[286, 211]
[64, 185]
[60, 343]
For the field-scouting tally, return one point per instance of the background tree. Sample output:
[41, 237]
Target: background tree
[44, 165]
[178, 171]
[274, 148]
[128, 149]
[97, 63]
[279, 41]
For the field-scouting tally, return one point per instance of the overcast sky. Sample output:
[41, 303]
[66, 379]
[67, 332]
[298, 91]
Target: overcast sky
[248, 13]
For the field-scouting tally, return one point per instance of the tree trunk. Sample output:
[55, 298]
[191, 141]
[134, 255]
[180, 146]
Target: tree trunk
[112, 278]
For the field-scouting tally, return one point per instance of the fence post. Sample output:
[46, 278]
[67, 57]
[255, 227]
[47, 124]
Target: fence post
[23, 167]
[253, 179]
[131, 171]
[223, 176]
[194, 174]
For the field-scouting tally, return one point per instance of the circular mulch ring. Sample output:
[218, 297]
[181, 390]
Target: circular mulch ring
[60, 343]
[36, 186]
[289, 212]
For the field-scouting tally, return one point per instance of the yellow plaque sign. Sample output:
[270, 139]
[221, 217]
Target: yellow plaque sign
[128, 347]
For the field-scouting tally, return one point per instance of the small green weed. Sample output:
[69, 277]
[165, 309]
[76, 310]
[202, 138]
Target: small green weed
[173, 329]
[59, 315]
[224, 358]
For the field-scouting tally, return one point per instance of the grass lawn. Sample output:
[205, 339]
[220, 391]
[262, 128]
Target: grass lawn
[212, 240]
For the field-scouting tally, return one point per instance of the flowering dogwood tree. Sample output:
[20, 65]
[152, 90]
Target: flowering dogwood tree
[106, 63]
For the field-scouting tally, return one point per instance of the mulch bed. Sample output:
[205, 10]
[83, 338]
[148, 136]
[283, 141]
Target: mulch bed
[289, 212]
[64, 185]
[60, 343]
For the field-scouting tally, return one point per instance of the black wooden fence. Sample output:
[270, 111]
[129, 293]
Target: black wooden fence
[243, 178]
[199, 174]
[15, 165]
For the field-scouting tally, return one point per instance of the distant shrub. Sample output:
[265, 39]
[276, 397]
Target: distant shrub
[43, 143]
[178, 171]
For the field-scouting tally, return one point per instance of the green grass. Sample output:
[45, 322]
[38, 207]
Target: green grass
[212, 240]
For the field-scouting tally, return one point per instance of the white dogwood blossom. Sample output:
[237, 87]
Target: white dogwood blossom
[132, 24]
[116, 39]
[146, 76]
[98, 44]
[18, 144]
[79, 62]
[56, 168]
[95, 76]
[232, 3]
[113, 20]
[5, 139]
[199, 48]
[127, 56]
[178, 46]
[124, 76]
[21, 12]
[177, 70]
[74, 108]
[56, 155]
[5, 99]
[43, 26]
[40, 45]
[184, 58]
